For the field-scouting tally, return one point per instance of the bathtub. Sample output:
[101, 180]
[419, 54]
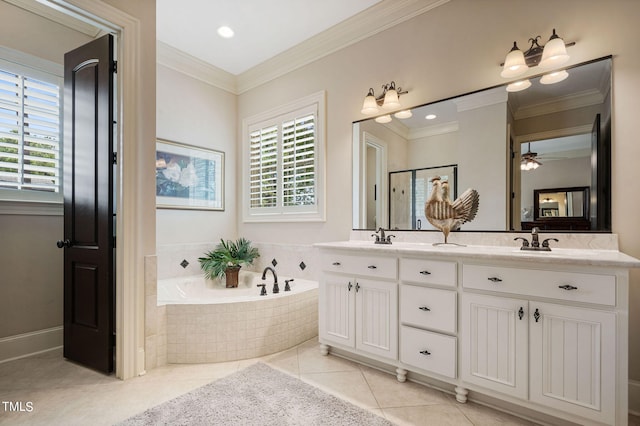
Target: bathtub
[207, 322]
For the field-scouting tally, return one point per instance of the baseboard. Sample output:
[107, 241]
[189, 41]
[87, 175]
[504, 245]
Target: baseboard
[22, 345]
[634, 397]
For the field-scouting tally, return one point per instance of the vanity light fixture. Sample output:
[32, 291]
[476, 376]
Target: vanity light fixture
[403, 114]
[551, 55]
[383, 119]
[387, 100]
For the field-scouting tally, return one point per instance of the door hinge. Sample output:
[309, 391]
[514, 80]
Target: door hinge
[115, 158]
[115, 67]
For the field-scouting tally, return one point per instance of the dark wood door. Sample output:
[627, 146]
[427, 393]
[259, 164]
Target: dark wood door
[88, 205]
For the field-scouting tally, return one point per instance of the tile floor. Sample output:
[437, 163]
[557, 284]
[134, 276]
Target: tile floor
[63, 393]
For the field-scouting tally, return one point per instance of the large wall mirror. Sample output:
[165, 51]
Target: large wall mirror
[507, 145]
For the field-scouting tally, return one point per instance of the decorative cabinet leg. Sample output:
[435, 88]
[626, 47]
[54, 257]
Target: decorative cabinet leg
[461, 394]
[324, 349]
[401, 374]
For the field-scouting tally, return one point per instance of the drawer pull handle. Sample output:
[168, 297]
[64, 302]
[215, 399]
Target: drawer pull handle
[425, 352]
[336, 263]
[536, 315]
[567, 287]
[520, 313]
[425, 273]
[424, 308]
[495, 279]
[357, 287]
[349, 286]
[372, 267]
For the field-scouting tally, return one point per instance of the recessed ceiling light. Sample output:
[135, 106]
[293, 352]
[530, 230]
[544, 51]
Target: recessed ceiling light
[430, 116]
[225, 32]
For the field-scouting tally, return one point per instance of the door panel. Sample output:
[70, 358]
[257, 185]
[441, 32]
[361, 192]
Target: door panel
[377, 316]
[337, 315]
[572, 359]
[88, 205]
[495, 343]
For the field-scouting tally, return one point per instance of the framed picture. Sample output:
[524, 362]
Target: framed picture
[189, 177]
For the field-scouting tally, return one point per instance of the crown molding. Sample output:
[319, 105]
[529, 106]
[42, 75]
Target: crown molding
[184, 63]
[564, 103]
[373, 20]
[438, 129]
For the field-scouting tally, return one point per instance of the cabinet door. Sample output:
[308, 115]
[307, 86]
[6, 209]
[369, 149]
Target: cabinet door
[494, 343]
[337, 310]
[377, 317]
[573, 359]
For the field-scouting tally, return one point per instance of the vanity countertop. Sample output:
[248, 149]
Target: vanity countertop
[590, 257]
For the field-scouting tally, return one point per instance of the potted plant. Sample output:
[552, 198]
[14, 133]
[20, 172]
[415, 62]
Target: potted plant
[227, 259]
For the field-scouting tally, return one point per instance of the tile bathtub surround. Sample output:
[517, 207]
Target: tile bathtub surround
[288, 256]
[233, 331]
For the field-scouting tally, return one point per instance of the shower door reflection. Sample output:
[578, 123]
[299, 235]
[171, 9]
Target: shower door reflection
[410, 189]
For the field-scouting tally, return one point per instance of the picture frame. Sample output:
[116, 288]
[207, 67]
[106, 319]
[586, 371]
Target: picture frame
[188, 177]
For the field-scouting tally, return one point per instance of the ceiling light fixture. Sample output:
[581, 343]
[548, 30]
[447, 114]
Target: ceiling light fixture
[225, 32]
[431, 116]
[389, 99]
[551, 55]
[528, 160]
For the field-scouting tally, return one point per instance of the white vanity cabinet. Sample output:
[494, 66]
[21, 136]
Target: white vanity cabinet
[428, 316]
[559, 354]
[359, 304]
[544, 331]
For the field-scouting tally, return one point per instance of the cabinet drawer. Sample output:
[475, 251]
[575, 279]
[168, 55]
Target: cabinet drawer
[428, 351]
[428, 308]
[571, 286]
[368, 266]
[428, 271]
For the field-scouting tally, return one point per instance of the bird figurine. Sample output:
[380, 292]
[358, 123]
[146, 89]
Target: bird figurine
[445, 215]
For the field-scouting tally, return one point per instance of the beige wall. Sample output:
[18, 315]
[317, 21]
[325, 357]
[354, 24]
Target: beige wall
[192, 112]
[30, 263]
[454, 49]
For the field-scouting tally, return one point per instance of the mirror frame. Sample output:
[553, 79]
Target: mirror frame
[357, 149]
[579, 223]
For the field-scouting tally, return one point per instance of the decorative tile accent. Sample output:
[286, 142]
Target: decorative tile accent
[274, 262]
[184, 263]
[302, 266]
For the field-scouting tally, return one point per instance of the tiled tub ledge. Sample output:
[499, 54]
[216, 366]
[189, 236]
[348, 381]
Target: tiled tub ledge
[209, 323]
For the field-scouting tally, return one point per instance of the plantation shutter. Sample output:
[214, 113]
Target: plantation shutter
[298, 161]
[263, 169]
[29, 133]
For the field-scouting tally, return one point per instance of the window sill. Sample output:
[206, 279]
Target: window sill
[31, 208]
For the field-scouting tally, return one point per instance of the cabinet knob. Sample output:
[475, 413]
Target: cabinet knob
[425, 273]
[536, 315]
[567, 287]
[520, 313]
[424, 308]
[349, 286]
[372, 267]
[495, 279]
[357, 287]
[425, 352]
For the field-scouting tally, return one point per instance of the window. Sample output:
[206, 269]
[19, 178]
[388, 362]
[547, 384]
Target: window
[30, 134]
[284, 167]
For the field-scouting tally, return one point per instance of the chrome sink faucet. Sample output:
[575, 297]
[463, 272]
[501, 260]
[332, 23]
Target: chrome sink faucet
[382, 239]
[276, 289]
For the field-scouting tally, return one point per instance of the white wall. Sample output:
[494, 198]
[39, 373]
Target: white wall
[192, 112]
[455, 49]
[433, 151]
